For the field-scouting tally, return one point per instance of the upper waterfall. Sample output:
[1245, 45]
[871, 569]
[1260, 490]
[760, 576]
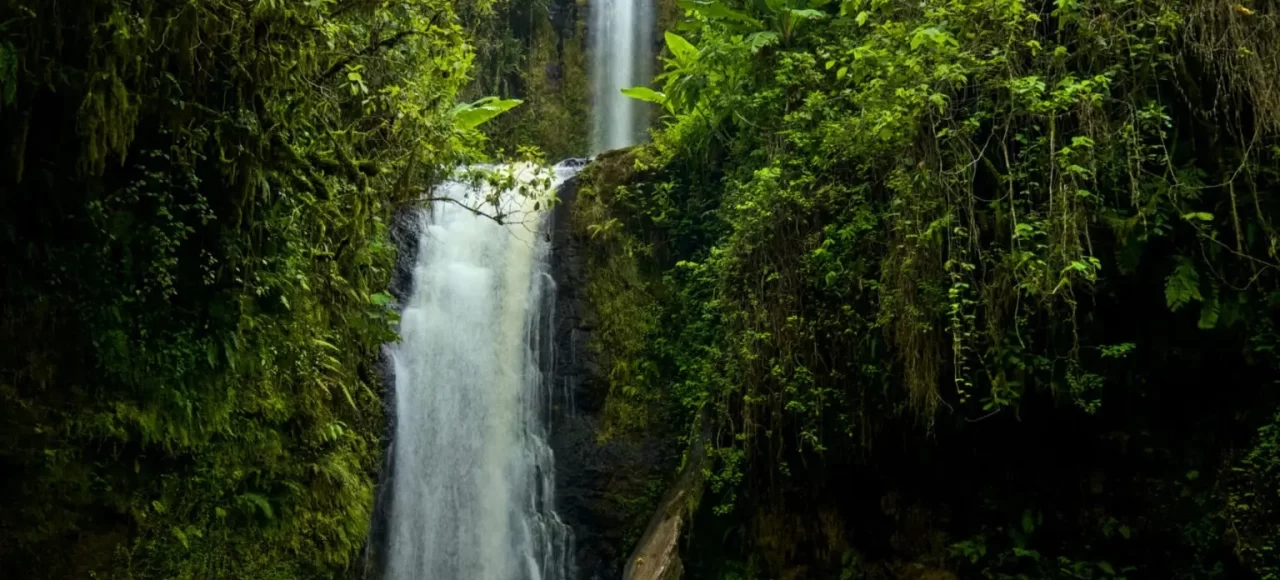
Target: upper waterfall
[621, 40]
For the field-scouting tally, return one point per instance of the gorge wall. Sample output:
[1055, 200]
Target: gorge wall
[605, 486]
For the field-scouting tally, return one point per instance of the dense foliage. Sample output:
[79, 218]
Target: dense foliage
[974, 287]
[535, 51]
[194, 205]
[944, 288]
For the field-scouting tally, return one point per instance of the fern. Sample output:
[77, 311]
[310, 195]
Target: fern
[1183, 285]
[1211, 310]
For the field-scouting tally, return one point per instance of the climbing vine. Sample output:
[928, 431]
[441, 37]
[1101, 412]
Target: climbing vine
[920, 221]
[195, 204]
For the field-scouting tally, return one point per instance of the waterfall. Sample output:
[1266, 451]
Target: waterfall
[621, 45]
[472, 480]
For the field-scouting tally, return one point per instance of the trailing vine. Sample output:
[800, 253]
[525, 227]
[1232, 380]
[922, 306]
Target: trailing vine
[195, 205]
[936, 214]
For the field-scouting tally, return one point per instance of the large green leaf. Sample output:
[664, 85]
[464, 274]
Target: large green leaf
[684, 51]
[471, 115]
[645, 94]
[807, 14]
[761, 39]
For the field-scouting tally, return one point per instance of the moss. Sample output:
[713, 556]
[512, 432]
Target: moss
[618, 289]
[191, 321]
[545, 65]
[891, 248]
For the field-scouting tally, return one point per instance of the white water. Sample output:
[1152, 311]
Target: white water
[473, 478]
[621, 37]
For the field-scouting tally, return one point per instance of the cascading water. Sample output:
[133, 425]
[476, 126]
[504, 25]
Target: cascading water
[621, 37]
[472, 483]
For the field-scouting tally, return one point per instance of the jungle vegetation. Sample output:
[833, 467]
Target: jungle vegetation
[967, 288]
[958, 288]
[534, 51]
[194, 206]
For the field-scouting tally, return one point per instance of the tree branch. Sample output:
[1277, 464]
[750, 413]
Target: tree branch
[497, 217]
[387, 43]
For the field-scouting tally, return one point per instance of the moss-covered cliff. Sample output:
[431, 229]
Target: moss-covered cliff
[194, 200]
[969, 288]
[535, 52]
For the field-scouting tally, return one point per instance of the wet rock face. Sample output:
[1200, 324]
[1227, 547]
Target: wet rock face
[404, 231]
[582, 466]
[594, 481]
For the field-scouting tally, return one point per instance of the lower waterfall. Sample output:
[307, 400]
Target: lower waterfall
[472, 477]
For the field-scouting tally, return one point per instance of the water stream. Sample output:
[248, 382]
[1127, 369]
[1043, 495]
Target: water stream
[472, 484]
[621, 45]
[472, 478]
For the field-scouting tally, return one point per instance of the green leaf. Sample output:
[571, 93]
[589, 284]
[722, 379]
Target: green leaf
[1199, 215]
[759, 40]
[1025, 553]
[684, 51]
[1028, 522]
[1182, 286]
[645, 94]
[380, 299]
[1117, 350]
[717, 11]
[177, 533]
[1106, 567]
[1209, 314]
[807, 14]
[261, 503]
[347, 393]
[467, 116]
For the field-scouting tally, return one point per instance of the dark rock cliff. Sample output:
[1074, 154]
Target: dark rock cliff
[601, 486]
[405, 232]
